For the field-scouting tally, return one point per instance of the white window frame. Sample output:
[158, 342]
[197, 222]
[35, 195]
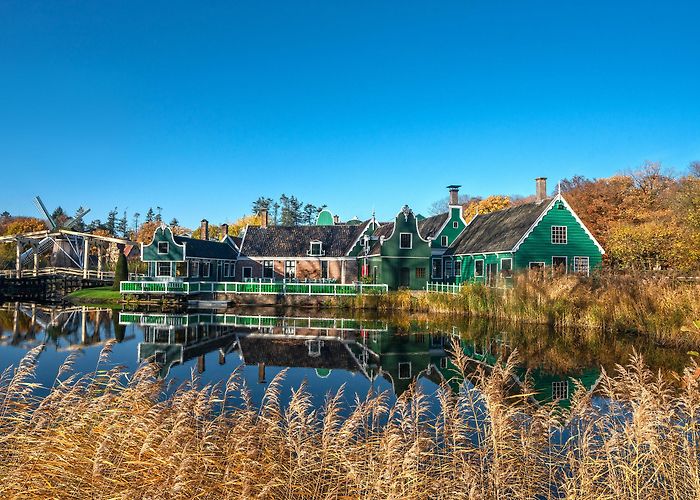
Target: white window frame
[566, 263]
[227, 269]
[458, 268]
[455, 224]
[443, 362]
[170, 269]
[410, 369]
[577, 265]
[410, 241]
[444, 241]
[167, 247]
[510, 259]
[483, 268]
[445, 274]
[206, 266]
[195, 269]
[249, 270]
[320, 252]
[293, 267]
[433, 267]
[271, 268]
[560, 387]
[564, 236]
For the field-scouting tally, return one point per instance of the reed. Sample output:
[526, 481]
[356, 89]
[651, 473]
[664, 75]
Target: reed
[109, 434]
[660, 307]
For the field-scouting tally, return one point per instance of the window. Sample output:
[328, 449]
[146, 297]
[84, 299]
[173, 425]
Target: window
[405, 370]
[290, 269]
[582, 265]
[206, 266]
[443, 241]
[316, 248]
[560, 390]
[194, 269]
[227, 269]
[163, 247]
[268, 269]
[449, 268]
[559, 265]
[455, 224]
[507, 267]
[163, 269]
[479, 268]
[559, 235]
[181, 269]
[159, 357]
[247, 272]
[443, 362]
[458, 268]
[536, 265]
[406, 240]
[420, 272]
[324, 269]
[437, 268]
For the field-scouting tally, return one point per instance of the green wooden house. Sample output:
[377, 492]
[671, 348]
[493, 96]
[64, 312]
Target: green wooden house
[543, 236]
[396, 254]
[171, 257]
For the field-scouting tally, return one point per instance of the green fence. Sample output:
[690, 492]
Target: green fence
[236, 287]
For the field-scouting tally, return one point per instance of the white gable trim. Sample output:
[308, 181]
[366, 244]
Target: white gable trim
[558, 197]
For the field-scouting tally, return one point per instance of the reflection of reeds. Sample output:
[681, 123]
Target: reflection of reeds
[662, 308]
[106, 435]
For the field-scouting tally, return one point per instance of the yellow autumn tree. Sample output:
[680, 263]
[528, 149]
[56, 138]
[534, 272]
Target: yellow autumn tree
[487, 205]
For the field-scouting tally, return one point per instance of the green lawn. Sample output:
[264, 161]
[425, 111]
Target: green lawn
[100, 295]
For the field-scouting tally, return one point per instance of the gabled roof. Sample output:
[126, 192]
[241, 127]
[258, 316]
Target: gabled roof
[293, 352]
[207, 249]
[430, 226]
[384, 230]
[498, 231]
[293, 241]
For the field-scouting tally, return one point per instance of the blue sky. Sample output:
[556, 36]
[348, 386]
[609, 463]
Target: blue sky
[201, 108]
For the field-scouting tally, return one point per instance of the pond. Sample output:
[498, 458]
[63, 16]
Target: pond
[326, 349]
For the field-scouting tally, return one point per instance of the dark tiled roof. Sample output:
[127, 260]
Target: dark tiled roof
[384, 230]
[206, 249]
[497, 231]
[429, 226]
[295, 353]
[293, 241]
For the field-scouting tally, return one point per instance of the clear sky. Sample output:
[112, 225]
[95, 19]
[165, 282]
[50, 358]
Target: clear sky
[201, 108]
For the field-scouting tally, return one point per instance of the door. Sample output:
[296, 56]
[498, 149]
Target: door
[491, 273]
[405, 277]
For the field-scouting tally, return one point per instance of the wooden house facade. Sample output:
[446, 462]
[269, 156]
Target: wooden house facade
[171, 256]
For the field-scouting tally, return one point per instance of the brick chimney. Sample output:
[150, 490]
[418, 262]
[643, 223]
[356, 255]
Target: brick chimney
[204, 230]
[263, 217]
[454, 194]
[336, 219]
[540, 189]
[224, 231]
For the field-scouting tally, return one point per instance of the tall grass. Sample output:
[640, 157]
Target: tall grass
[660, 307]
[113, 435]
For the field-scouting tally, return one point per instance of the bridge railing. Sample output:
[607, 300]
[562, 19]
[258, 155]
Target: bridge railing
[258, 288]
[58, 271]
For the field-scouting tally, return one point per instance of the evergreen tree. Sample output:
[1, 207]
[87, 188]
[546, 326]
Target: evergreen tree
[121, 271]
[122, 225]
[309, 214]
[275, 213]
[174, 222]
[262, 203]
[5, 214]
[59, 215]
[136, 222]
[150, 215]
[111, 223]
[159, 217]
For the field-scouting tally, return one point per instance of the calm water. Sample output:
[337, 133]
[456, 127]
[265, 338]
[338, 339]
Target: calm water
[319, 347]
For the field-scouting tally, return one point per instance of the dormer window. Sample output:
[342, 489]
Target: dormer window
[316, 249]
[163, 247]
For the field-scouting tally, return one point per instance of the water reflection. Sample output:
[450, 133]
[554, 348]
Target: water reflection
[362, 352]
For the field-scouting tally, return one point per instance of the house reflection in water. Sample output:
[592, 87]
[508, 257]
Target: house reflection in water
[374, 349]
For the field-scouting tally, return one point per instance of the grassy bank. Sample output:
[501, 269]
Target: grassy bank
[94, 296]
[662, 308]
[110, 436]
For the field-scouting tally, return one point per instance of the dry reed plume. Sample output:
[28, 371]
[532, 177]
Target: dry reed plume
[113, 435]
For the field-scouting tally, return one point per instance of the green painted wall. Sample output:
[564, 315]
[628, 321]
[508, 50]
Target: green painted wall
[538, 246]
[467, 268]
[450, 230]
[325, 218]
[397, 264]
[150, 253]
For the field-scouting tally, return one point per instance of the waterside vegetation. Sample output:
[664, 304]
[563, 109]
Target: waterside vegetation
[113, 435]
